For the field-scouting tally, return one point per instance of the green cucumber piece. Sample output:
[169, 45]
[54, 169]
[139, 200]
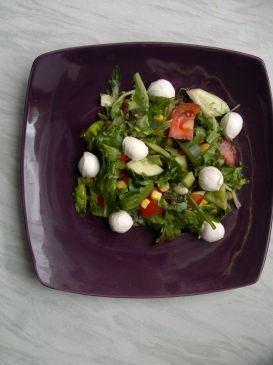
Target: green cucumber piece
[193, 152]
[219, 198]
[188, 180]
[182, 161]
[144, 167]
[211, 105]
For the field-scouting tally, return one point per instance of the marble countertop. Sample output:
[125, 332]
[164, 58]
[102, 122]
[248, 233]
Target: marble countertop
[42, 326]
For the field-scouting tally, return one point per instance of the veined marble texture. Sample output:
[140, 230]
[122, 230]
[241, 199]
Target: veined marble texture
[40, 326]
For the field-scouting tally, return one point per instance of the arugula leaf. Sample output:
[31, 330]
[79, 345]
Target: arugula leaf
[207, 121]
[116, 107]
[132, 200]
[158, 149]
[200, 135]
[115, 82]
[140, 99]
[80, 198]
[213, 156]
[234, 177]
[109, 152]
[91, 132]
[95, 208]
[160, 106]
[200, 213]
[190, 221]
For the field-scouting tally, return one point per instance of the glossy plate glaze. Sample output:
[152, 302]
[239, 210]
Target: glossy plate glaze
[81, 254]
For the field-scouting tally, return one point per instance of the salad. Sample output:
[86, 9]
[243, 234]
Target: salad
[161, 159]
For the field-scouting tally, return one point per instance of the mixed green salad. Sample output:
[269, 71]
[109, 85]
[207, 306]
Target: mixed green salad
[160, 159]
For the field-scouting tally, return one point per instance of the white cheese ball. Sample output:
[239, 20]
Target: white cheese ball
[161, 88]
[89, 165]
[134, 148]
[210, 178]
[181, 189]
[232, 124]
[120, 222]
[211, 235]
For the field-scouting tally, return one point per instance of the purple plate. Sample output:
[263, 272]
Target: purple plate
[81, 254]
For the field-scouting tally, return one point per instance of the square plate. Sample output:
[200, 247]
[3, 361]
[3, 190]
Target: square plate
[81, 254]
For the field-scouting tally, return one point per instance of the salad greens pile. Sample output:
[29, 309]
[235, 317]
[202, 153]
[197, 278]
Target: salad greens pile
[171, 164]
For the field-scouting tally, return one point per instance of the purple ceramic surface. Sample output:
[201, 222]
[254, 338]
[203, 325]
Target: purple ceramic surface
[81, 254]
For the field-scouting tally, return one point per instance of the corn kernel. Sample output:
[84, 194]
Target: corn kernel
[204, 147]
[156, 195]
[203, 202]
[164, 187]
[144, 204]
[160, 118]
[121, 185]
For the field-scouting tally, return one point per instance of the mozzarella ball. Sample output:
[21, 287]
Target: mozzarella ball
[120, 222]
[134, 148]
[161, 88]
[211, 235]
[210, 178]
[232, 124]
[181, 189]
[89, 165]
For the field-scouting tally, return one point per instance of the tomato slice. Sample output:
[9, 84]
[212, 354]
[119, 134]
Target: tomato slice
[197, 198]
[228, 152]
[123, 157]
[124, 176]
[183, 121]
[100, 201]
[152, 209]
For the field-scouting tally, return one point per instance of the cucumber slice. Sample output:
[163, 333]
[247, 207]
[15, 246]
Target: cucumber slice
[211, 105]
[219, 198]
[193, 152]
[182, 161]
[144, 167]
[188, 180]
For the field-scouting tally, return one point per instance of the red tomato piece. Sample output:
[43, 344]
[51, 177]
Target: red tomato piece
[183, 121]
[123, 157]
[100, 201]
[152, 209]
[197, 198]
[124, 176]
[228, 152]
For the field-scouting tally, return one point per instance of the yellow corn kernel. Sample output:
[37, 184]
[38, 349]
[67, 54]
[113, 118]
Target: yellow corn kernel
[156, 195]
[121, 185]
[203, 202]
[160, 118]
[169, 142]
[164, 187]
[204, 147]
[229, 195]
[144, 204]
